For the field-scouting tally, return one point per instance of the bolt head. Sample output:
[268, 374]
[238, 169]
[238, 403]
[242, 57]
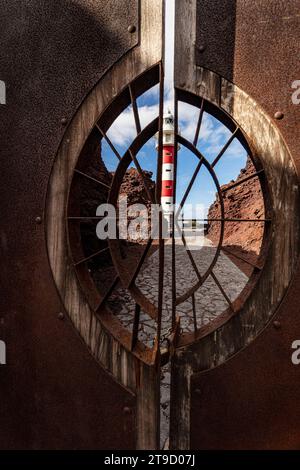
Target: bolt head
[278, 115]
[60, 316]
[126, 410]
[64, 121]
[277, 324]
[201, 48]
[38, 220]
[131, 29]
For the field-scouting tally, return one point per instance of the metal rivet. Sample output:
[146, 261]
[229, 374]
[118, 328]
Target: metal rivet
[131, 28]
[63, 121]
[126, 410]
[60, 316]
[38, 220]
[182, 84]
[277, 324]
[201, 48]
[198, 391]
[278, 115]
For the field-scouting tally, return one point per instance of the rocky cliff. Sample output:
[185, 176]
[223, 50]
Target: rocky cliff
[91, 194]
[244, 201]
[134, 188]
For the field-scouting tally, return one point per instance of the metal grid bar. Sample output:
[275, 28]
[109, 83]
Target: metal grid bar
[108, 293]
[240, 258]
[105, 136]
[195, 142]
[234, 220]
[87, 258]
[193, 149]
[191, 183]
[85, 175]
[222, 290]
[243, 180]
[194, 312]
[140, 171]
[141, 262]
[135, 329]
[135, 110]
[173, 215]
[223, 150]
[161, 241]
[160, 141]
[189, 253]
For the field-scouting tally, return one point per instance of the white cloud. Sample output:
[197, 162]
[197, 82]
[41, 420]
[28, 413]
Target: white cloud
[213, 135]
[123, 130]
[188, 118]
[236, 150]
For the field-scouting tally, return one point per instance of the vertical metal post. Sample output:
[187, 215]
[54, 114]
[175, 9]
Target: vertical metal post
[173, 215]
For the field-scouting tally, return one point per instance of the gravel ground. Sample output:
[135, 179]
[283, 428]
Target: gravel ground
[209, 301]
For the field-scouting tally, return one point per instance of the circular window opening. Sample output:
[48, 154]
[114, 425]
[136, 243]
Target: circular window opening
[163, 279]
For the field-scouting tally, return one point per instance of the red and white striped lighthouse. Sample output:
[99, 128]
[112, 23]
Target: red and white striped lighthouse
[167, 183]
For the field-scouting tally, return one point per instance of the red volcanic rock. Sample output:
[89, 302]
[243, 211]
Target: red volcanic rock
[244, 201]
[88, 194]
[93, 194]
[134, 188]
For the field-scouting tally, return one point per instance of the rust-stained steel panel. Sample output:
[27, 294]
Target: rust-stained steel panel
[53, 393]
[215, 35]
[256, 45]
[252, 401]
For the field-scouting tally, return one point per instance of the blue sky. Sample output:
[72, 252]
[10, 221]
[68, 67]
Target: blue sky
[213, 135]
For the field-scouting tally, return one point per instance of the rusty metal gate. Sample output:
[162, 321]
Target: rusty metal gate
[56, 395]
[241, 57]
[228, 375]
